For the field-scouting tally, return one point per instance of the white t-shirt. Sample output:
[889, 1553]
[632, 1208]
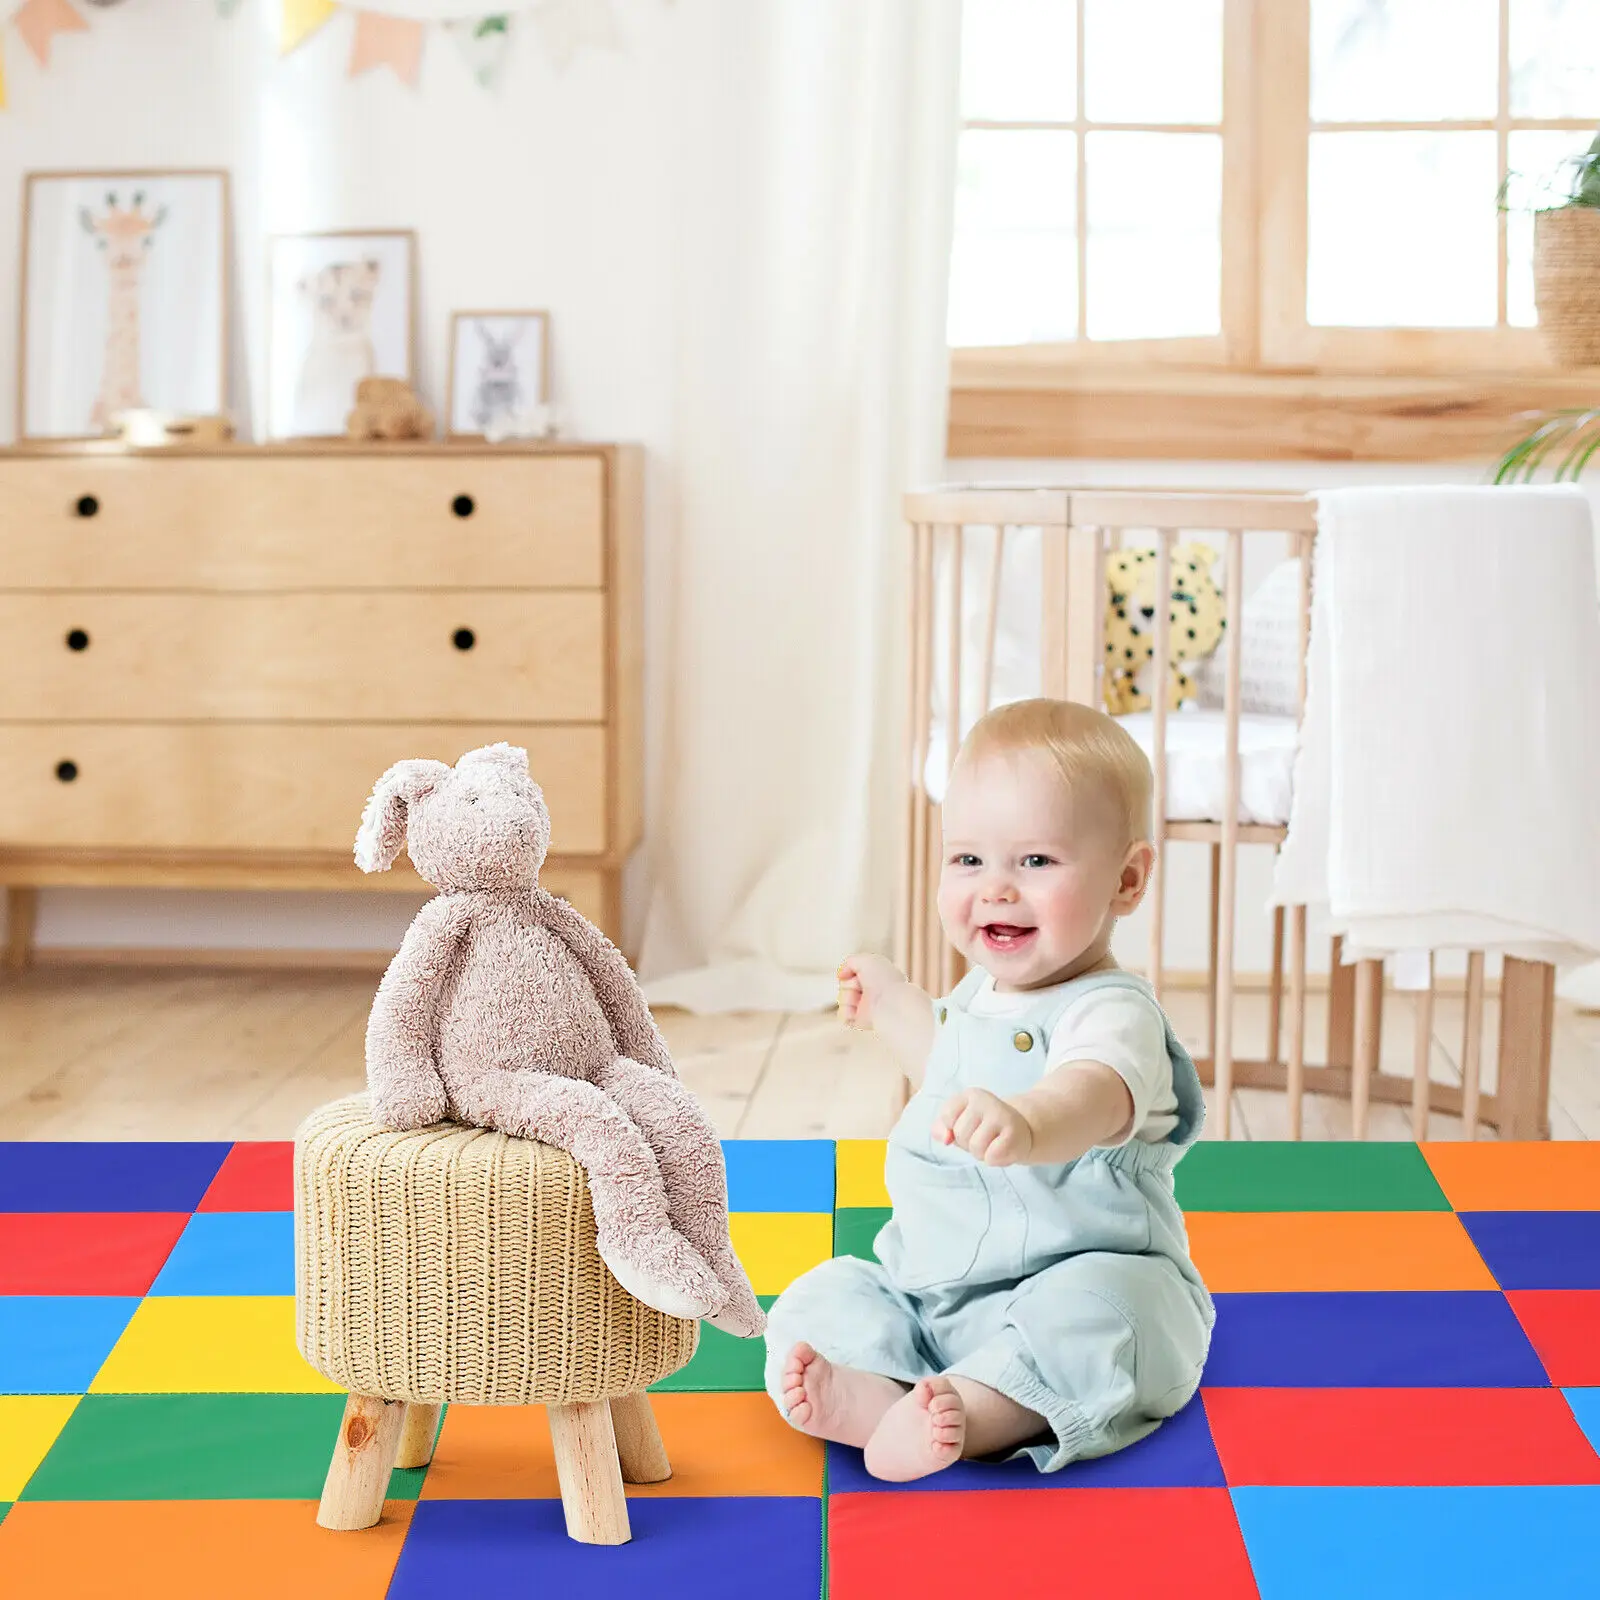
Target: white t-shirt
[1122, 1028]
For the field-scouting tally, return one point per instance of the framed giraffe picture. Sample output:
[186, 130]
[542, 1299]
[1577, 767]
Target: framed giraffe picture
[340, 307]
[124, 299]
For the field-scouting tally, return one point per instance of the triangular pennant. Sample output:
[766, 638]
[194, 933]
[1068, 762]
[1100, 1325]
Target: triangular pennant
[39, 21]
[301, 19]
[383, 41]
[226, 8]
[482, 42]
[568, 25]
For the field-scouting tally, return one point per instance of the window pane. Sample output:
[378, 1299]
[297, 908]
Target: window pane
[1019, 60]
[1555, 58]
[1014, 267]
[1404, 60]
[1538, 177]
[1152, 60]
[1403, 230]
[1155, 235]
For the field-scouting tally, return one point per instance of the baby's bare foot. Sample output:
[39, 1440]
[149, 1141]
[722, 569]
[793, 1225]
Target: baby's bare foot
[923, 1433]
[833, 1402]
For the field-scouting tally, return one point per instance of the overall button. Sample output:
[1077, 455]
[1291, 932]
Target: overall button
[942, 1013]
[1022, 1040]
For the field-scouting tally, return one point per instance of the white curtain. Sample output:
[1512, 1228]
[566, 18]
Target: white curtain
[813, 245]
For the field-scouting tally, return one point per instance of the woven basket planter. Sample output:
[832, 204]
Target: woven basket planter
[1566, 283]
[457, 1264]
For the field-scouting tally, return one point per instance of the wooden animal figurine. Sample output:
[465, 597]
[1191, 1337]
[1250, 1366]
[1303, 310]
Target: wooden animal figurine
[386, 408]
[506, 1008]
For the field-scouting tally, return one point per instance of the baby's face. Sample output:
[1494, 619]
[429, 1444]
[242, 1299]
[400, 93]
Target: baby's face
[1028, 877]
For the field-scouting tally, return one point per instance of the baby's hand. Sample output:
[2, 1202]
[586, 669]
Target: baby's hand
[862, 978]
[985, 1126]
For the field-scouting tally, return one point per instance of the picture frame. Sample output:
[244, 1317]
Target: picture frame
[341, 306]
[124, 298]
[499, 370]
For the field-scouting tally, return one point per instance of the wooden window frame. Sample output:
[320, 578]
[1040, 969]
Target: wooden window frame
[1269, 385]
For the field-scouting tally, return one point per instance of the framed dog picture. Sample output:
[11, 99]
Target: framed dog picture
[124, 299]
[499, 372]
[340, 307]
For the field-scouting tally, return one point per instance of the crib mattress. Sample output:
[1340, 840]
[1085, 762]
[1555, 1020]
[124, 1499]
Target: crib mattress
[1196, 764]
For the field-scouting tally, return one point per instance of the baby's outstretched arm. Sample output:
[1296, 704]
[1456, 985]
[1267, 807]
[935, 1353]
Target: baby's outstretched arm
[874, 993]
[1069, 1111]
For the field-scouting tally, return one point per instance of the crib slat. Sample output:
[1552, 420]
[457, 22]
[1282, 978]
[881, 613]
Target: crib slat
[1086, 612]
[952, 730]
[1422, 1057]
[1296, 1086]
[1230, 833]
[1158, 761]
[1275, 991]
[921, 721]
[1364, 1057]
[992, 618]
[1053, 611]
[1472, 1046]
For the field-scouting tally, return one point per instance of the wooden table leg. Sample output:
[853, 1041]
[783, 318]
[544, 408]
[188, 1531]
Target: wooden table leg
[590, 1474]
[22, 912]
[417, 1437]
[639, 1446]
[358, 1476]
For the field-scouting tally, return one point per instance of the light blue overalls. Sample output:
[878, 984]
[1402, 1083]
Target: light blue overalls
[1067, 1288]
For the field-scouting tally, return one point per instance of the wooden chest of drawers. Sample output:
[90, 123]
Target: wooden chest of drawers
[208, 657]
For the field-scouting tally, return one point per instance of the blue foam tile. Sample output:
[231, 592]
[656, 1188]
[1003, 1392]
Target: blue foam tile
[1178, 1455]
[55, 1344]
[231, 1252]
[1467, 1543]
[1538, 1249]
[682, 1549]
[1585, 1405]
[1431, 1339]
[779, 1174]
[128, 1176]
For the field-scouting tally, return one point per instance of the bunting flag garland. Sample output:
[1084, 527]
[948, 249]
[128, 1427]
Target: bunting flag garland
[2, 75]
[568, 25]
[301, 19]
[482, 42]
[385, 41]
[39, 21]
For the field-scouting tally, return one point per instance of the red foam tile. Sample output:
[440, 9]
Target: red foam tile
[1563, 1326]
[1393, 1438]
[85, 1252]
[253, 1177]
[1038, 1544]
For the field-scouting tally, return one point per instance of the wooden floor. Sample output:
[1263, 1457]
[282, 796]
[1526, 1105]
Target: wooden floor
[153, 1054]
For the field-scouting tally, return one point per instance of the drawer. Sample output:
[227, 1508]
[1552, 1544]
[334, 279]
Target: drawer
[259, 788]
[534, 656]
[303, 522]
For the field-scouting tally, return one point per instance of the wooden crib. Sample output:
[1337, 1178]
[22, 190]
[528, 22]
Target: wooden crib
[1076, 530]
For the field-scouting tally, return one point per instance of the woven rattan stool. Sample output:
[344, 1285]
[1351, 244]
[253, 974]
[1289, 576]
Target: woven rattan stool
[457, 1264]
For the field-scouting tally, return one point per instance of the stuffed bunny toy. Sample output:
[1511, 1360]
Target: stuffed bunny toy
[506, 1008]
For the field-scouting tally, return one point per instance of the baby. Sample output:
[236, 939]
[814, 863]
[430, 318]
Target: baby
[1033, 1292]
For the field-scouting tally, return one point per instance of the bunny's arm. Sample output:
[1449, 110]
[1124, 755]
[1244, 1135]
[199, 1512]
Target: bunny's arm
[403, 1028]
[615, 986]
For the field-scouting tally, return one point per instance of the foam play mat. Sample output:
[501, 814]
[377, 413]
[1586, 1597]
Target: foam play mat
[1402, 1398]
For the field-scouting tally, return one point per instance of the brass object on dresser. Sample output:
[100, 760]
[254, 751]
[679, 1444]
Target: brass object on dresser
[210, 656]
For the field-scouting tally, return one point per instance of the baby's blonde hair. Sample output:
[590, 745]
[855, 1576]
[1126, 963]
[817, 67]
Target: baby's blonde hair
[1090, 750]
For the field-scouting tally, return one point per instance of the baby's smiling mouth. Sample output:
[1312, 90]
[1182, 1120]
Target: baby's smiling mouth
[1006, 935]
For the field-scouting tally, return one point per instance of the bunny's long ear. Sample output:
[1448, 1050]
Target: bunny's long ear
[383, 823]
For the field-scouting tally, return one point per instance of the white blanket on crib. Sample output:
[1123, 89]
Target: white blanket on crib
[1447, 787]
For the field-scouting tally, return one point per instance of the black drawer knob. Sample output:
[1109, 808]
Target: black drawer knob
[66, 771]
[464, 638]
[462, 505]
[77, 640]
[87, 505]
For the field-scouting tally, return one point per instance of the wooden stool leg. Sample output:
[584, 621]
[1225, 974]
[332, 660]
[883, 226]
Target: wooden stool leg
[590, 1474]
[416, 1438]
[358, 1476]
[639, 1446]
[22, 910]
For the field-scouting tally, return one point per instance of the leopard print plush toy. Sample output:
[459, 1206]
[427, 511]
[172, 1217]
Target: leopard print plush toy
[1194, 616]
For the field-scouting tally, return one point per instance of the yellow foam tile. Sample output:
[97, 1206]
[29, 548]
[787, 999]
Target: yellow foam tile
[210, 1344]
[775, 1247]
[858, 1164]
[29, 1425]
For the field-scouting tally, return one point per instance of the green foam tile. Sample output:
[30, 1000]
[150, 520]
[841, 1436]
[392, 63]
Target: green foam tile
[722, 1364]
[854, 1229]
[5, 1506]
[1223, 1175]
[199, 1447]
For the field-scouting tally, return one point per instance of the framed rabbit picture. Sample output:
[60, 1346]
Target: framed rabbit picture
[499, 374]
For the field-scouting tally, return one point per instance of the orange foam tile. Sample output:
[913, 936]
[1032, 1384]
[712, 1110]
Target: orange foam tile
[1246, 1252]
[718, 1444]
[1517, 1176]
[194, 1550]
